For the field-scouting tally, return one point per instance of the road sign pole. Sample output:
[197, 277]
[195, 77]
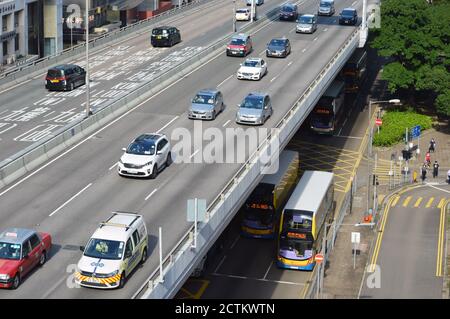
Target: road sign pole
[195, 222]
[161, 278]
[354, 256]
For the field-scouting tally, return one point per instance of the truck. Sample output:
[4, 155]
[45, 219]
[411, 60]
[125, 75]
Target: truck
[326, 113]
[263, 207]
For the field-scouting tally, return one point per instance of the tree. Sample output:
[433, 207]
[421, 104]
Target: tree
[415, 34]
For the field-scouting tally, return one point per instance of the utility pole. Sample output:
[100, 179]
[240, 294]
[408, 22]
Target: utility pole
[88, 107]
[234, 16]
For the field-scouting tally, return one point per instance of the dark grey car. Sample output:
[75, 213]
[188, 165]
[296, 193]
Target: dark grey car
[206, 104]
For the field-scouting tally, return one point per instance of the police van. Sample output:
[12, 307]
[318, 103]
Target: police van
[113, 252]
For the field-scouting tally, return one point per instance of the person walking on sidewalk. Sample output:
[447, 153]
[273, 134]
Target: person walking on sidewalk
[428, 159]
[424, 173]
[435, 169]
[432, 146]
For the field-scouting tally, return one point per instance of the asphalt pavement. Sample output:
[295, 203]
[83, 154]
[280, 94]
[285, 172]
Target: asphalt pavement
[80, 187]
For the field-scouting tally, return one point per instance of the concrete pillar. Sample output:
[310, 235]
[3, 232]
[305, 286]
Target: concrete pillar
[53, 26]
[1, 44]
[23, 42]
[12, 41]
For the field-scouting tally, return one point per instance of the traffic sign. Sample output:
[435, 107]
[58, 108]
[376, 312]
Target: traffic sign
[318, 258]
[415, 131]
[378, 122]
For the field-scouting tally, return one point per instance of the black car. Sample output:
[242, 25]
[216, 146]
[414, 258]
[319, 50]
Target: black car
[288, 12]
[278, 48]
[348, 16]
[65, 77]
[165, 36]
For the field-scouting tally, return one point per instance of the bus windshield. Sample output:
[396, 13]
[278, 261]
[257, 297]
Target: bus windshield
[298, 220]
[262, 213]
[292, 248]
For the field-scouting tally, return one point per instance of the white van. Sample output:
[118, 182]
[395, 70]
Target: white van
[326, 8]
[113, 252]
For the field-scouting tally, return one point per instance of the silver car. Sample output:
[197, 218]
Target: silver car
[307, 23]
[206, 104]
[255, 109]
[326, 8]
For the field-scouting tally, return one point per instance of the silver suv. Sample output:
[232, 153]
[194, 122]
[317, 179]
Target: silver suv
[206, 104]
[255, 109]
[146, 156]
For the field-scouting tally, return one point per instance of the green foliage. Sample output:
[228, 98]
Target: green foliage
[394, 124]
[443, 103]
[416, 35]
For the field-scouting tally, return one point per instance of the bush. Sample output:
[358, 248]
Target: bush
[394, 124]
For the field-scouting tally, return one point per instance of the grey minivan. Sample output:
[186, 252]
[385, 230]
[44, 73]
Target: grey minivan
[206, 104]
[307, 23]
[326, 8]
[255, 109]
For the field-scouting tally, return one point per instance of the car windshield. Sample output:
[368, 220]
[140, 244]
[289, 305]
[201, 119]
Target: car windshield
[9, 251]
[159, 31]
[237, 41]
[325, 4]
[277, 43]
[104, 249]
[287, 9]
[242, 11]
[251, 63]
[141, 148]
[203, 99]
[305, 20]
[253, 102]
[347, 13]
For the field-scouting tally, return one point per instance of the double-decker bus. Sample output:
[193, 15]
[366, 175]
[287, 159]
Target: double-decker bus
[304, 219]
[263, 207]
[326, 113]
[354, 71]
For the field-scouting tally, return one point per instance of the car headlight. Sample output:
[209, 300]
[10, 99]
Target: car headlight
[149, 163]
[112, 274]
[4, 277]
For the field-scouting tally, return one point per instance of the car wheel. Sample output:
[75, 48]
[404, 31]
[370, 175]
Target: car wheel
[154, 172]
[43, 258]
[123, 280]
[16, 282]
[71, 87]
[213, 117]
[222, 107]
[169, 159]
[144, 256]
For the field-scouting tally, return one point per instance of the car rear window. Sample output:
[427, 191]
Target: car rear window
[287, 9]
[55, 73]
[159, 31]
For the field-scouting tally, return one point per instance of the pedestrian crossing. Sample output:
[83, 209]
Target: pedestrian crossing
[418, 202]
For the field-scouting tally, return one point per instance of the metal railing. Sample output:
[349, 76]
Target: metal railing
[186, 239]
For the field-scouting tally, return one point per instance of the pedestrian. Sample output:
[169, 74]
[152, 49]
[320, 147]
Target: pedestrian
[428, 159]
[432, 146]
[435, 169]
[424, 173]
[448, 177]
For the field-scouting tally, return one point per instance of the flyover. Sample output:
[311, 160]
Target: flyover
[80, 187]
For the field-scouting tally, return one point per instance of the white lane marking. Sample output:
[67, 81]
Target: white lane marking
[446, 191]
[273, 79]
[113, 166]
[150, 195]
[71, 199]
[268, 269]
[225, 124]
[4, 111]
[354, 137]
[170, 122]
[46, 115]
[289, 63]
[225, 80]
[354, 3]
[315, 39]
[14, 86]
[194, 154]
[53, 287]
[325, 30]
[262, 52]
[220, 264]
[304, 50]
[235, 242]
[292, 30]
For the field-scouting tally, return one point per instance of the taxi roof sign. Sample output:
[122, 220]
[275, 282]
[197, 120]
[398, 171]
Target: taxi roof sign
[11, 234]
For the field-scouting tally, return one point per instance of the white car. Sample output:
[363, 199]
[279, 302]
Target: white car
[252, 69]
[243, 14]
[146, 156]
[115, 249]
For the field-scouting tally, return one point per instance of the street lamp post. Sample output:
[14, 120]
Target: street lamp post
[234, 16]
[88, 108]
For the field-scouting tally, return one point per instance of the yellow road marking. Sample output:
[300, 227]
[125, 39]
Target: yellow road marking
[407, 200]
[395, 201]
[440, 248]
[441, 203]
[419, 200]
[430, 201]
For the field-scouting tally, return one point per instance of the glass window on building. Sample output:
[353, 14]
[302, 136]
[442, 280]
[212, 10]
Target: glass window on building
[17, 43]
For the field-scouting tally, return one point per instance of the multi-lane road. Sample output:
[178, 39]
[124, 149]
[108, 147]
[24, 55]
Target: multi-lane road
[71, 193]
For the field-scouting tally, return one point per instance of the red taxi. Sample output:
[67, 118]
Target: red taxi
[240, 45]
[20, 251]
